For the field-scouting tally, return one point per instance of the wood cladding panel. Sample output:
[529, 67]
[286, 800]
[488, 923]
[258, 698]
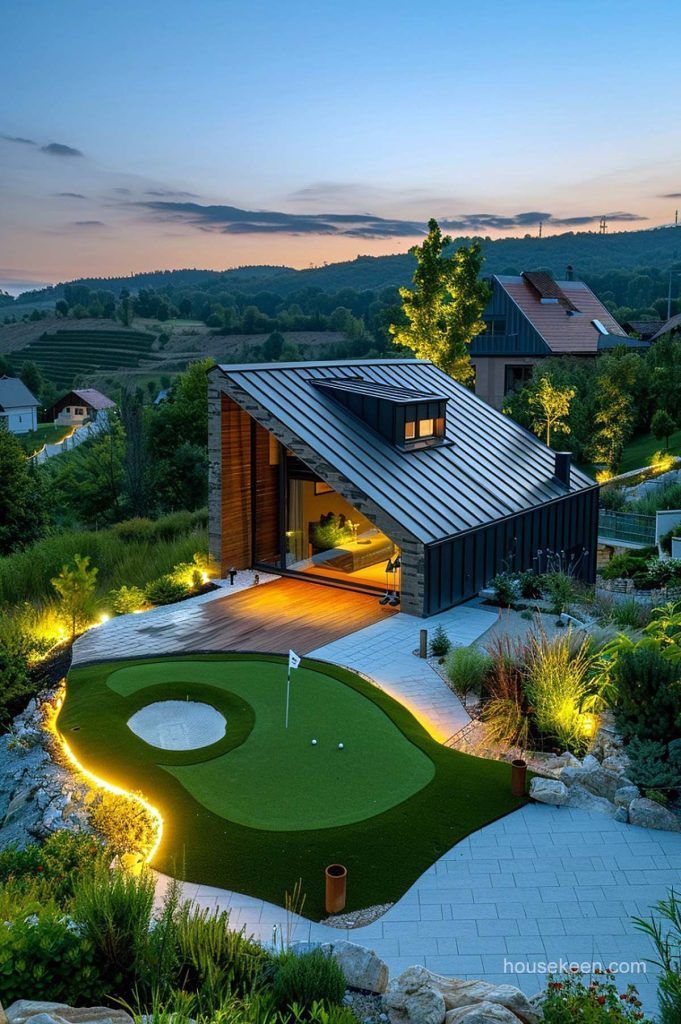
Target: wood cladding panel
[266, 498]
[235, 437]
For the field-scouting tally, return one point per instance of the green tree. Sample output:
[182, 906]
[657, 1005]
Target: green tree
[443, 312]
[75, 587]
[61, 308]
[662, 426]
[22, 506]
[136, 466]
[550, 407]
[615, 406]
[86, 484]
[273, 347]
[32, 377]
[124, 311]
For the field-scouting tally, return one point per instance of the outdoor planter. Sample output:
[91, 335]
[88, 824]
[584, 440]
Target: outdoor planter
[336, 879]
[518, 777]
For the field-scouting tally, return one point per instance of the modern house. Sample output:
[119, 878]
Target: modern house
[388, 477]
[531, 317]
[80, 405]
[18, 407]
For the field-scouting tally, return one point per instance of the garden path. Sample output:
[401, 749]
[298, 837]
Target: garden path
[542, 884]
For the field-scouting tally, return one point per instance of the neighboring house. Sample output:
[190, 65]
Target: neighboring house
[80, 405]
[18, 407]
[385, 476]
[162, 396]
[646, 329]
[671, 326]
[531, 317]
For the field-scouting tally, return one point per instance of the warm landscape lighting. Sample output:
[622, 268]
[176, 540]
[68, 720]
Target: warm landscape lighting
[104, 617]
[109, 787]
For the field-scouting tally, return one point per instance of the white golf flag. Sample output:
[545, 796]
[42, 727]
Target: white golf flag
[293, 659]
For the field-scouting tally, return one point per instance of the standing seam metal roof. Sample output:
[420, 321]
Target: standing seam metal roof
[493, 469]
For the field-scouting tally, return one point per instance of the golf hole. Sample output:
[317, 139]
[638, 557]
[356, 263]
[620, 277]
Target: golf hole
[178, 725]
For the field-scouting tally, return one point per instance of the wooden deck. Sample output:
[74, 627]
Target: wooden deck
[281, 615]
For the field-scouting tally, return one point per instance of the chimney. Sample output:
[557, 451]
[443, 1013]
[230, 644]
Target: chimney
[569, 273]
[562, 466]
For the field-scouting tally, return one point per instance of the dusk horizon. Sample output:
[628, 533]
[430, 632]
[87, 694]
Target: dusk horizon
[272, 138]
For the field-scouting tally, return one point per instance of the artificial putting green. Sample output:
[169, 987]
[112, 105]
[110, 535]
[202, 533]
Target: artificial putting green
[262, 807]
[277, 779]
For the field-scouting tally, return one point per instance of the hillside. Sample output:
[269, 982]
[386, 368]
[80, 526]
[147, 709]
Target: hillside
[589, 253]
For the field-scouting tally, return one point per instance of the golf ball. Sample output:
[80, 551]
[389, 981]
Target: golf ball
[314, 743]
[341, 746]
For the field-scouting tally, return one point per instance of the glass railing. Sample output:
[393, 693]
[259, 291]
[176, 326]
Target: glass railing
[626, 526]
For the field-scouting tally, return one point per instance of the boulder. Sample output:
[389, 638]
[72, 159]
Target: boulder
[549, 791]
[597, 780]
[459, 993]
[622, 814]
[59, 1013]
[625, 794]
[361, 967]
[412, 998]
[586, 801]
[650, 814]
[17, 804]
[481, 1013]
[22, 1009]
[616, 762]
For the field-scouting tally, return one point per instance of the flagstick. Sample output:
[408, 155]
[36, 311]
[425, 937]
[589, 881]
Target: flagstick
[288, 690]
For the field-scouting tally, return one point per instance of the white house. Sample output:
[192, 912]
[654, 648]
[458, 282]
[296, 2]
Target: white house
[18, 407]
[79, 405]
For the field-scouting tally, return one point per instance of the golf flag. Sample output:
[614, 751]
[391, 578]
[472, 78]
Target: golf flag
[293, 660]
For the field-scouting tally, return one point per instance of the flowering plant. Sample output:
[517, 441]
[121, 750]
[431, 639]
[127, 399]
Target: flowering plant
[590, 1000]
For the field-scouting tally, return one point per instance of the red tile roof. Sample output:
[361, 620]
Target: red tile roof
[564, 332]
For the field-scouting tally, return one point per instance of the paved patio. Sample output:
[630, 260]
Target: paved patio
[542, 884]
[384, 652]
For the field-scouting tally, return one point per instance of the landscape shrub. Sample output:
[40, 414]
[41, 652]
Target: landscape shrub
[75, 586]
[124, 823]
[138, 529]
[560, 589]
[26, 575]
[52, 868]
[127, 599]
[213, 960]
[623, 566]
[113, 910]
[530, 585]
[165, 590]
[16, 685]
[612, 499]
[504, 587]
[647, 685]
[44, 956]
[506, 713]
[440, 644]
[655, 766]
[467, 669]
[664, 928]
[631, 613]
[666, 496]
[307, 978]
[573, 997]
[557, 684]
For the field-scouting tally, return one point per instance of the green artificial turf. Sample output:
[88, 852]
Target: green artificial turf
[305, 786]
[428, 797]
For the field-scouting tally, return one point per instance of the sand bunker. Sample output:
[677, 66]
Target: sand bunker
[178, 725]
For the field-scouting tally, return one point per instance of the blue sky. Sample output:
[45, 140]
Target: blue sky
[215, 133]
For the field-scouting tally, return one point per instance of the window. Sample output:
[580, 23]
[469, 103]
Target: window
[79, 412]
[495, 326]
[516, 376]
[410, 430]
[426, 428]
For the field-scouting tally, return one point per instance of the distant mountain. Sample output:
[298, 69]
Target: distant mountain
[587, 252]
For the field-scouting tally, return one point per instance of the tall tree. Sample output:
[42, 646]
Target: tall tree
[662, 426]
[135, 453]
[550, 406]
[443, 311]
[615, 408]
[75, 586]
[32, 377]
[22, 507]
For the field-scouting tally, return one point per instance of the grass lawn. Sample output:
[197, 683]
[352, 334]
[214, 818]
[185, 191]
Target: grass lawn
[639, 452]
[47, 433]
[263, 807]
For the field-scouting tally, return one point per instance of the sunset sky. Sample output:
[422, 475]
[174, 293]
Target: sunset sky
[138, 135]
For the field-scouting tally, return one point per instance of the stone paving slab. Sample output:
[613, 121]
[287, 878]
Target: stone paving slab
[490, 909]
[384, 651]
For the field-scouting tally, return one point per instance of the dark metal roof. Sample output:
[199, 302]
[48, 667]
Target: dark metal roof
[14, 394]
[672, 324]
[492, 469]
[370, 389]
